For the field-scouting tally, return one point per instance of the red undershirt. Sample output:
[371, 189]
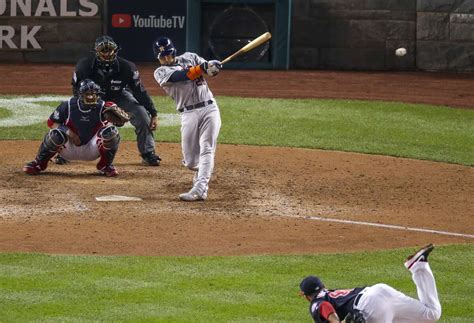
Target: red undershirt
[326, 309]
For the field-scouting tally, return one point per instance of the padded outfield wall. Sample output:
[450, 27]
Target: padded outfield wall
[363, 34]
[324, 34]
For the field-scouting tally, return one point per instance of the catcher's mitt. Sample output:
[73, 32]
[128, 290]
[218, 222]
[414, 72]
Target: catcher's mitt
[114, 114]
[355, 317]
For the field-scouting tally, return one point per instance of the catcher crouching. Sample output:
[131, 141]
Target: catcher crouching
[82, 128]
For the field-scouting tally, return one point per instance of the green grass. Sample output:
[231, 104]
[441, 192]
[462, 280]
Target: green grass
[210, 289]
[373, 127]
[4, 113]
[258, 288]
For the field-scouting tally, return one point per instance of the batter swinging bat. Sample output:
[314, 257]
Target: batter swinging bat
[253, 44]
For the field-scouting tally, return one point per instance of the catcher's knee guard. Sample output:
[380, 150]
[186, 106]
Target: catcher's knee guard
[52, 143]
[109, 139]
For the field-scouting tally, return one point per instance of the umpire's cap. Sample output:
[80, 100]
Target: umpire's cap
[311, 285]
[163, 46]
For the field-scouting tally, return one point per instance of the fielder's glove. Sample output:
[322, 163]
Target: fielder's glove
[355, 317]
[212, 67]
[115, 115]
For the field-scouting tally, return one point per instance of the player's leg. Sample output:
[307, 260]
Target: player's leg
[375, 304]
[54, 140]
[140, 119]
[209, 131]
[427, 292]
[108, 140]
[190, 145]
[427, 307]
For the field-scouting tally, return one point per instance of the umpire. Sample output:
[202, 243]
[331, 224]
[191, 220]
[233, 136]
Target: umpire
[120, 81]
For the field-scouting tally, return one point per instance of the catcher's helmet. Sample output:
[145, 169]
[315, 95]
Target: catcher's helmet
[106, 49]
[89, 92]
[311, 285]
[163, 46]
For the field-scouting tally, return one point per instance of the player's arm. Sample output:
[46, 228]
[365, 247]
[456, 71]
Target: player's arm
[59, 115]
[195, 72]
[333, 318]
[57, 120]
[327, 312]
[136, 86]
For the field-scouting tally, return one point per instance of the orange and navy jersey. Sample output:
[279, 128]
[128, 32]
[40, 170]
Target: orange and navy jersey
[85, 121]
[340, 301]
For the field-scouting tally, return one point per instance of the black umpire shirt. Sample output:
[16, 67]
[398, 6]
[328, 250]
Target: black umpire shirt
[123, 74]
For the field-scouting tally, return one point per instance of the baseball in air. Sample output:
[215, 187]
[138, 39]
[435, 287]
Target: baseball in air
[401, 52]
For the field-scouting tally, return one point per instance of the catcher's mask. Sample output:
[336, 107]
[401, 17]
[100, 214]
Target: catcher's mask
[106, 49]
[89, 92]
[164, 50]
[311, 285]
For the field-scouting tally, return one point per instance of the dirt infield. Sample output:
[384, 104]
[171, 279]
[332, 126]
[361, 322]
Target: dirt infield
[260, 198]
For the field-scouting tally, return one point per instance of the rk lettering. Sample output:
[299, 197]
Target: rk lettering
[27, 37]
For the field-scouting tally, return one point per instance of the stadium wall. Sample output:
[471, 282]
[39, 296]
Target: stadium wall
[363, 35]
[325, 34]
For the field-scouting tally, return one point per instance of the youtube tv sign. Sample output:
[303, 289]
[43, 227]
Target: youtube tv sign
[134, 25]
[121, 20]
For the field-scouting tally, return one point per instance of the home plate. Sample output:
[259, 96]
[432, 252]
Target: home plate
[116, 198]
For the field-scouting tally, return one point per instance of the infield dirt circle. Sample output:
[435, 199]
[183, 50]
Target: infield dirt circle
[260, 199]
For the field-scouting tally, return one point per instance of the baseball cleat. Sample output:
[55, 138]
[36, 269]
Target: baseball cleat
[151, 159]
[109, 171]
[34, 167]
[420, 255]
[192, 196]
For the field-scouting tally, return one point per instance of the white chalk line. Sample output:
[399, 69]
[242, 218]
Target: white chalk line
[381, 225]
[26, 111]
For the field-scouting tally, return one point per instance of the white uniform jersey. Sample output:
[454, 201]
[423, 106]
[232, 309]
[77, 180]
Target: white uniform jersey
[185, 93]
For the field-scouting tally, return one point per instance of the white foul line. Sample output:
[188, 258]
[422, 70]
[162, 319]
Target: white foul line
[389, 226]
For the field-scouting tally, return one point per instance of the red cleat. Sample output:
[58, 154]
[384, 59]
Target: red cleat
[420, 255]
[34, 167]
[109, 171]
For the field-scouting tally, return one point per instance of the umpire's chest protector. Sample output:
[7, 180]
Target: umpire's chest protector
[112, 82]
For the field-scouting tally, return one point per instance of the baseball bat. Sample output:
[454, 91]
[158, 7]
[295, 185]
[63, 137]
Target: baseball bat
[253, 44]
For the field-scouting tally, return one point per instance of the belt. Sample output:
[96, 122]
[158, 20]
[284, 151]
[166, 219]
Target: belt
[195, 106]
[358, 297]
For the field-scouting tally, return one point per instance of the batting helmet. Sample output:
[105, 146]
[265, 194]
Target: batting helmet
[163, 46]
[89, 92]
[106, 49]
[311, 285]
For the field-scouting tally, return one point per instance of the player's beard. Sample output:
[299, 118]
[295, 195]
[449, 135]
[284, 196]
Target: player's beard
[167, 60]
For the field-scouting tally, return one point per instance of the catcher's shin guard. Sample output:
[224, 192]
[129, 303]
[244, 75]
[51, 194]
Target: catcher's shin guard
[109, 139]
[52, 143]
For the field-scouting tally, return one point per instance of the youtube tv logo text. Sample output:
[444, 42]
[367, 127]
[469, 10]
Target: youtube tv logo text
[125, 20]
[121, 20]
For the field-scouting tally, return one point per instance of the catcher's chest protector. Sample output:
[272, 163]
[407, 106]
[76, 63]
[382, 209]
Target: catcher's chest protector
[86, 121]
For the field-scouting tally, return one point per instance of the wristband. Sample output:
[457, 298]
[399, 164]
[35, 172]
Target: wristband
[194, 72]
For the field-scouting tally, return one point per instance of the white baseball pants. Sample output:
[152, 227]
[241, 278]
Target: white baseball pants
[383, 304]
[89, 151]
[199, 131]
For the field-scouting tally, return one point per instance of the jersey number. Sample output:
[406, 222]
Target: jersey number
[339, 293]
[199, 81]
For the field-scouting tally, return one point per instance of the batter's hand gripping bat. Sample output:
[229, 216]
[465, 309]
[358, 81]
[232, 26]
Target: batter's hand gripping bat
[253, 44]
